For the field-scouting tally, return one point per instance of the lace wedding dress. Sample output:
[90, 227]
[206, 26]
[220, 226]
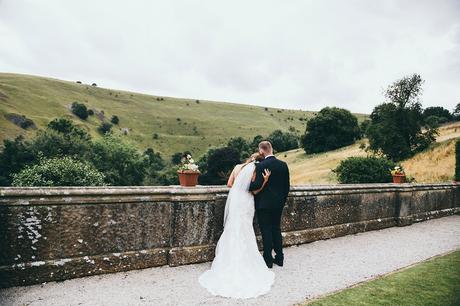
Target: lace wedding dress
[238, 270]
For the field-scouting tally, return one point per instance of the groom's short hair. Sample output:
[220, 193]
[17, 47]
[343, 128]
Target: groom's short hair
[266, 146]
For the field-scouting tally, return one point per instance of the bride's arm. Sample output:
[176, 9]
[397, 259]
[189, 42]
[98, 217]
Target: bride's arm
[231, 179]
[266, 175]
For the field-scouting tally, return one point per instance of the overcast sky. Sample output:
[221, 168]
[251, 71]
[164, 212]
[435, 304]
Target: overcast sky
[290, 54]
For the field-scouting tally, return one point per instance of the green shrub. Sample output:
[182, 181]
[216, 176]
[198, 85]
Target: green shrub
[457, 160]
[217, 164]
[80, 110]
[115, 119]
[283, 141]
[120, 161]
[14, 155]
[331, 129]
[358, 170]
[105, 128]
[59, 171]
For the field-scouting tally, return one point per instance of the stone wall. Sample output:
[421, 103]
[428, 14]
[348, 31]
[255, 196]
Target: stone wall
[50, 234]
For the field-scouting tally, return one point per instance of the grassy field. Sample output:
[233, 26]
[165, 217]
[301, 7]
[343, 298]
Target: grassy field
[434, 282]
[434, 165]
[181, 124]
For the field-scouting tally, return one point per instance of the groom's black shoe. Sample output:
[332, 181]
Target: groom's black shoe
[278, 261]
[269, 262]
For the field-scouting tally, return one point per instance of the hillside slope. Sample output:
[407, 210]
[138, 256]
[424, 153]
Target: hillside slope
[181, 124]
[436, 164]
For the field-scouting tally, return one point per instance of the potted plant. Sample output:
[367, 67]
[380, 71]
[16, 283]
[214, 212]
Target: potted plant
[188, 171]
[398, 175]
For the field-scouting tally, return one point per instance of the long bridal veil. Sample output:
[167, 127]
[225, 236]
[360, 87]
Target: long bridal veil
[238, 270]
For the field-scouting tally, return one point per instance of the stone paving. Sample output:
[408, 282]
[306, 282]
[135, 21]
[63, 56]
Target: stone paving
[310, 270]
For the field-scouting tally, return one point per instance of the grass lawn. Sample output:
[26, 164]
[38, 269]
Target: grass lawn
[434, 282]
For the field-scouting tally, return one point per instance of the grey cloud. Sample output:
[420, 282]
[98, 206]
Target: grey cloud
[296, 54]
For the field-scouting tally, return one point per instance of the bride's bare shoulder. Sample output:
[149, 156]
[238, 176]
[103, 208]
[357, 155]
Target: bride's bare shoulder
[237, 168]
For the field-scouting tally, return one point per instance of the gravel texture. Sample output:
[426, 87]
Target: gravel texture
[310, 270]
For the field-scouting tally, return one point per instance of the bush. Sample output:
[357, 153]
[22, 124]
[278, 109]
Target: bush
[217, 165]
[331, 129]
[443, 114]
[457, 160]
[105, 128]
[154, 164]
[363, 126]
[283, 141]
[359, 170]
[68, 128]
[115, 119]
[61, 171]
[20, 120]
[456, 112]
[61, 138]
[119, 161]
[15, 155]
[241, 146]
[80, 110]
[94, 84]
[90, 112]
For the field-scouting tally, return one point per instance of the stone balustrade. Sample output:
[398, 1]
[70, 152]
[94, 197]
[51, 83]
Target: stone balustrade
[50, 234]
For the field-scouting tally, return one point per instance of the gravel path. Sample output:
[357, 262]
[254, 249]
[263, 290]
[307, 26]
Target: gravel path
[310, 270]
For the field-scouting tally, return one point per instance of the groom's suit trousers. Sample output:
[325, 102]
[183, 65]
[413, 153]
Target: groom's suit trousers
[269, 223]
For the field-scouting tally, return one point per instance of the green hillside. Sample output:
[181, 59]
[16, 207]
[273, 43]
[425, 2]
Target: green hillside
[181, 124]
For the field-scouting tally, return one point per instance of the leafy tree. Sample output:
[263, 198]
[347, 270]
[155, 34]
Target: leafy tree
[51, 143]
[59, 171]
[16, 154]
[363, 126]
[361, 170]
[456, 112]
[283, 141]
[105, 128]
[67, 127]
[457, 160]
[119, 161]
[219, 164]
[176, 158]
[255, 143]
[443, 114]
[115, 119]
[154, 164]
[80, 110]
[397, 127]
[330, 129]
[241, 146]
[154, 159]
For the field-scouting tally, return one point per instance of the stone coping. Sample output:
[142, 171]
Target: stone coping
[119, 194]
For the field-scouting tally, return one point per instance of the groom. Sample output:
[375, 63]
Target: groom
[270, 202]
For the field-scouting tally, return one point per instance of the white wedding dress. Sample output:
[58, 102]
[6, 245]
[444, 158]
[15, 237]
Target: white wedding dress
[238, 270]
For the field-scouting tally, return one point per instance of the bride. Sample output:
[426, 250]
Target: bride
[238, 270]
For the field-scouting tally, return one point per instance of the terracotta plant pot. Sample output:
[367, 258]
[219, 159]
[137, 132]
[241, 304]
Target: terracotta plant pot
[188, 178]
[399, 178]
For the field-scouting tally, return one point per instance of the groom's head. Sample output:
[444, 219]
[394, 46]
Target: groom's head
[265, 148]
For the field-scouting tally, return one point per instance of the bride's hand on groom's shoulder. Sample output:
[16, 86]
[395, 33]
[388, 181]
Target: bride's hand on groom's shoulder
[266, 174]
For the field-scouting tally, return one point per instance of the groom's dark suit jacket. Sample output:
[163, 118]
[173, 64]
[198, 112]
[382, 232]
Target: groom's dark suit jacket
[275, 192]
